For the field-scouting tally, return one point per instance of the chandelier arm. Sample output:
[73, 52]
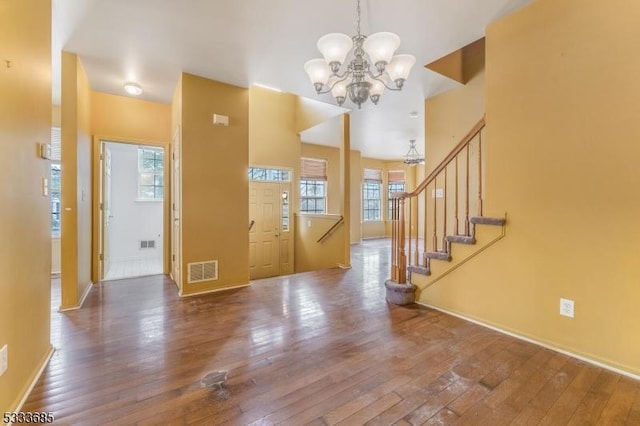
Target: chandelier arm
[340, 79]
[377, 77]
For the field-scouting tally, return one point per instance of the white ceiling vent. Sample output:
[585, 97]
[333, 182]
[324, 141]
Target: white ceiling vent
[202, 271]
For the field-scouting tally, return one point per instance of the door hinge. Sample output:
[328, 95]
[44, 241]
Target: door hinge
[101, 206]
[173, 257]
[101, 256]
[102, 156]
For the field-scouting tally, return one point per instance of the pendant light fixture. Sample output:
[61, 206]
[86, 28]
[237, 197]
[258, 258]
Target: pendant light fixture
[372, 69]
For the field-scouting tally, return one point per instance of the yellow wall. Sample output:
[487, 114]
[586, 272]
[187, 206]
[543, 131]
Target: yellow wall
[356, 197]
[450, 116]
[76, 181]
[332, 155]
[25, 246]
[125, 119]
[215, 197]
[310, 113]
[312, 255]
[128, 118]
[562, 106]
[273, 140]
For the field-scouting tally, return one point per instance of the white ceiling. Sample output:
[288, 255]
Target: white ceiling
[244, 42]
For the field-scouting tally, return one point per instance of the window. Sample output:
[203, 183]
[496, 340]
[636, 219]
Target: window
[54, 185]
[313, 186]
[266, 174]
[150, 173]
[396, 184]
[371, 195]
[55, 200]
[312, 196]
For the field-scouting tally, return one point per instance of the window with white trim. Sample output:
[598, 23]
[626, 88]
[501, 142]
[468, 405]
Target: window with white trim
[371, 195]
[268, 174]
[396, 184]
[150, 173]
[55, 186]
[313, 186]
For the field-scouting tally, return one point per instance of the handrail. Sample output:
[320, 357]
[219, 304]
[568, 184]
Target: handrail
[414, 241]
[334, 226]
[444, 163]
[253, 222]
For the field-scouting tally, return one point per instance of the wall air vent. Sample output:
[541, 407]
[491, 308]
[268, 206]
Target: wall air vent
[147, 244]
[202, 271]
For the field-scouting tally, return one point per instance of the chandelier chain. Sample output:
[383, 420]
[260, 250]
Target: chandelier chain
[358, 19]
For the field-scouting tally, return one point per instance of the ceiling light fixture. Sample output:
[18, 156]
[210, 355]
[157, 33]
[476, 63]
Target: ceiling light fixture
[412, 157]
[358, 81]
[133, 88]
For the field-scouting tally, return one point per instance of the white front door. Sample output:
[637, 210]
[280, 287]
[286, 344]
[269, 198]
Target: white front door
[105, 258]
[264, 219]
[175, 209]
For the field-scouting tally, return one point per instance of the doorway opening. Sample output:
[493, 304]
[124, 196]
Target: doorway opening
[270, 230]
[131, 210]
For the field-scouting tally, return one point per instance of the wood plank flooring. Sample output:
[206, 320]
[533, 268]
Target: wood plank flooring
[319, 348]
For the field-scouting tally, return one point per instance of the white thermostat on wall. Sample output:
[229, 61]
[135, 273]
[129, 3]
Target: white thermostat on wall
[44, 150]
[220, 120]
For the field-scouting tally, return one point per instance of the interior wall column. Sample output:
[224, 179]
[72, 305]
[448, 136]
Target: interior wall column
[345, 185]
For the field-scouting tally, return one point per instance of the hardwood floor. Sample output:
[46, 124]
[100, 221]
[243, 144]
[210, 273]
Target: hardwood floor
[315, 348]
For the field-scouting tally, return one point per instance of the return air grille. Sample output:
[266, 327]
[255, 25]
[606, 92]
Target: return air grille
[147, 244]
[202, 271]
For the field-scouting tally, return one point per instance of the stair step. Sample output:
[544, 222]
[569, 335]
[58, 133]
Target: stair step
[461, 239]
[440, 255]
[482, 220]
[422, 270]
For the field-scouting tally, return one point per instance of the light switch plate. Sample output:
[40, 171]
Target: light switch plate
[4, 359]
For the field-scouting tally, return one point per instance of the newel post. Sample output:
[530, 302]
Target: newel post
[399, 292]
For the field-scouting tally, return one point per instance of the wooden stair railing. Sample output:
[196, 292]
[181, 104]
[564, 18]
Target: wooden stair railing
[438, 212]
[330, 230]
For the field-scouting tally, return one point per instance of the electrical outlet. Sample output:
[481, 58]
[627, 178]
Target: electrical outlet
[566, 307]
[437, 193]
[4, 360]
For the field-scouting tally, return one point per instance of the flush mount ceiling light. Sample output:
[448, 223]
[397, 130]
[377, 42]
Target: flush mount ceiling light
[133, 88]
[358, 80]
[412, 157]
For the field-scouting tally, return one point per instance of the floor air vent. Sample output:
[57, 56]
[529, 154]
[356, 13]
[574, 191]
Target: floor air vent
[202, 271]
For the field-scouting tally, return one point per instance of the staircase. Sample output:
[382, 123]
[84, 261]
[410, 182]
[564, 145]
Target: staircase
[440, 225]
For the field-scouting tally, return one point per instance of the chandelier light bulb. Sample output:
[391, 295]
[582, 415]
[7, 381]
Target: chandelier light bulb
[400, 67]
[318, 72]
[334, 48]
[339, 89]
[380, 47]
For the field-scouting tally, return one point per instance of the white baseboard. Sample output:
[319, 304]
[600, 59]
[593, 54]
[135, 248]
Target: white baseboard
[43, 365]
[82, 299]
[215, 290]
[537, 342]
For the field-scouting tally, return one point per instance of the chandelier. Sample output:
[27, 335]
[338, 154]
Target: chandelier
[359, 81]
[412, 157]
